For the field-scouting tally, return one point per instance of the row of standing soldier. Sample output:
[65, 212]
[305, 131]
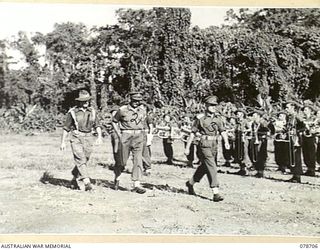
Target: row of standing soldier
[295, 131]
[244, 138]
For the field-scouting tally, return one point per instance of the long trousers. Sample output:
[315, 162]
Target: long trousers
[167, 148]
[309, 152]
[258, 153]
[130, 142]
[281, 153]
[208, 153]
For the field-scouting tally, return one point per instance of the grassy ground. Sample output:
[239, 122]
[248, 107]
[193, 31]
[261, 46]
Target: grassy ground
[268, 206]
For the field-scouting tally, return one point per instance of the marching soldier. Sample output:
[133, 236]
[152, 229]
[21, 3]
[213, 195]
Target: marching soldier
[80, 122]
[259, 142]
[309, 140]
[129, 125]
[209, 126]
[295, 127]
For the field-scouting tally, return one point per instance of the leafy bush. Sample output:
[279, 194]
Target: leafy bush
[37, 119]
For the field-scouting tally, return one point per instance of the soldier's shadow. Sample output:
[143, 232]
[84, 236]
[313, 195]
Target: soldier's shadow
[110, 166]
[179, 165]
[107, 184]
[49, 179]
[250, 175]
[168, 188]
[287, 181]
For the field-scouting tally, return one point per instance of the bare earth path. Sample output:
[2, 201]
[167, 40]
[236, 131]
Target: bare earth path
[252, 206]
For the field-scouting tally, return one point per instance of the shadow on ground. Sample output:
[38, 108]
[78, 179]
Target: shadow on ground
[47, 178]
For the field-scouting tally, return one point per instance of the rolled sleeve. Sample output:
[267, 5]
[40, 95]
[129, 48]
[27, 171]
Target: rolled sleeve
[68, 123]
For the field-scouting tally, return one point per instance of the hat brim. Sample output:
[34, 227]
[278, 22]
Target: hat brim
[83, 99]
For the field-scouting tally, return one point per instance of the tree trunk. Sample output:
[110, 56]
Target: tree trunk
[104, 96]
[93, 87]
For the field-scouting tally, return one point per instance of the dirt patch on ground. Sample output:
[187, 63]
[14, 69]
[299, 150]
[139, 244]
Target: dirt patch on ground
[268, 206]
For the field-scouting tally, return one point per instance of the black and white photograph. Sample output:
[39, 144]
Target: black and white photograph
[159, 120]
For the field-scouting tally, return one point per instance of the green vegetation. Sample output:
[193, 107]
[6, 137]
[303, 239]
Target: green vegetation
[271, 52]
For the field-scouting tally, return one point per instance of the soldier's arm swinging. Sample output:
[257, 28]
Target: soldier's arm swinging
[63, 139]
[224, 135]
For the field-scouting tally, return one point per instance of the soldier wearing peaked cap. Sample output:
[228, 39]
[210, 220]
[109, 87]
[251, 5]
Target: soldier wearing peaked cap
[129, 124]
[209, 126]
[80, 122]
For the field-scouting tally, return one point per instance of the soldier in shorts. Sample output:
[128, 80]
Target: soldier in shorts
[129, 125]
[80, 122]
[209, 126]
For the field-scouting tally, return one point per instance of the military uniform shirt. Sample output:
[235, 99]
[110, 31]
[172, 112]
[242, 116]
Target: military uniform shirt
[207, 125]
[85, 118]
[130, 118]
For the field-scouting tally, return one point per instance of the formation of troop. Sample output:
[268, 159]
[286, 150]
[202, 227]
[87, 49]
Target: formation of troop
[243, 133]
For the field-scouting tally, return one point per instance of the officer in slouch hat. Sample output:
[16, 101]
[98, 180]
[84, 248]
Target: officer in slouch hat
[80, 122]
